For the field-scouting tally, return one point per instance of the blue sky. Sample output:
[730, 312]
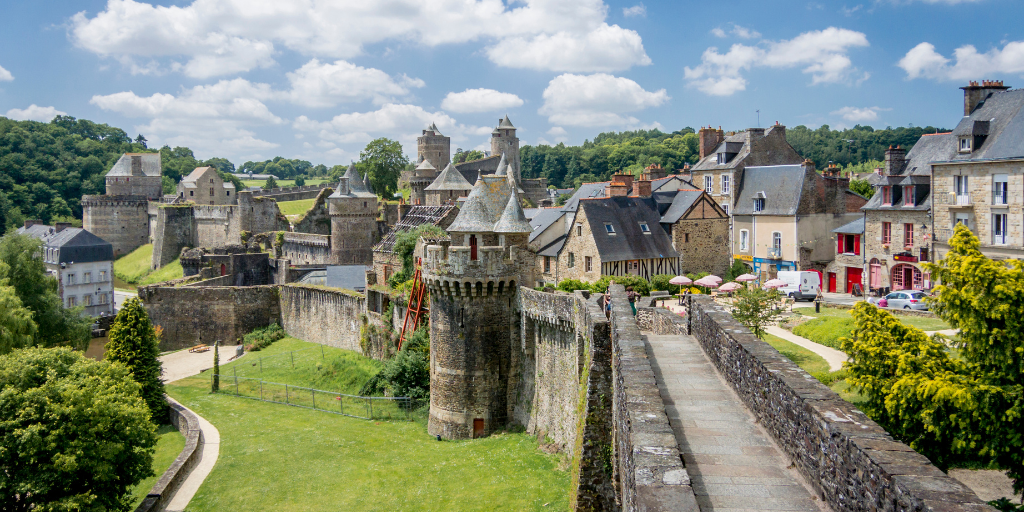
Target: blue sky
[253, 79]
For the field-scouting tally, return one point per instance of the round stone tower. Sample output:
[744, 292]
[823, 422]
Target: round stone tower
[473, 282]
[353, 211]
[434, 147]
[504, 141]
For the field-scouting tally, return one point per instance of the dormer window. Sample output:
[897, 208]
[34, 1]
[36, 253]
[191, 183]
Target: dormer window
[886, 196]
[609, 228]
[645, 228]
[721, 158]
[758, 204]
[908, 195]
[966, 144]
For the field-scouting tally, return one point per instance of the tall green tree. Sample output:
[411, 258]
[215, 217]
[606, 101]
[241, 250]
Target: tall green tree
[74, 433]
[133, 343]
[384, 160]
[17, 329]
[270, 183]
[37, 291]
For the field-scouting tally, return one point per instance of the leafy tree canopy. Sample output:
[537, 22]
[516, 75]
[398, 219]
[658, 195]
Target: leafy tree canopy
[75, 433]
[852, 146]
[133, 343]
[384, 160]
[466, 156]
[281, 167]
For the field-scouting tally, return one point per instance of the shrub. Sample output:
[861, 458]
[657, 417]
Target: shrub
[406, 374]
[571, 285]
[660, 282]
[756, 308]
[826, 331]
[262, 338]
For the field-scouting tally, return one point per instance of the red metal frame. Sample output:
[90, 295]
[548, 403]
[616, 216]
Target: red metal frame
[416, 294]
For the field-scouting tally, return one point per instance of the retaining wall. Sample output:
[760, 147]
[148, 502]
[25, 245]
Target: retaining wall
[853, 463]
[327, 316]
[164, 489]
[648, 465]
[192, 315]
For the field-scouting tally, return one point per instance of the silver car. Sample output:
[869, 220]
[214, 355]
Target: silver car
[908, 299]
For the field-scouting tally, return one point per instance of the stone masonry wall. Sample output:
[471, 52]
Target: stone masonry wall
[122, 221]
[193, 315]
[580, 246]
[851, 461]
[873, 247]
[317, 219]
[282, 194]
[327, 316]
[979, 184]
[648, 467]
[174, 231]
[703, 250]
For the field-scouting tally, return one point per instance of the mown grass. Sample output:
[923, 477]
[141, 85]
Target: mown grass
[168, 445]
[299, 207]
[134, 266]
[811, 363]
[279, 458]
[167, 272]
[831, 324]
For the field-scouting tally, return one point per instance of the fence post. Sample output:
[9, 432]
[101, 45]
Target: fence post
[286, 393]
[261, 389]
[313, 392]
[321, 352]
[369, 405]
[292, 353]
[341, 404]
[235, 370]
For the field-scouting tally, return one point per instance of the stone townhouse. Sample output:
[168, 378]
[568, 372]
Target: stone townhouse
[205, 186]
[82, 263]
[785, 215]
[897, 218]
[982, 184]
[845, 273]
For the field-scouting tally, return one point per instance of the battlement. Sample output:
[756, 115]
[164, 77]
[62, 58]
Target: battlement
[491, 262]
[114, 201]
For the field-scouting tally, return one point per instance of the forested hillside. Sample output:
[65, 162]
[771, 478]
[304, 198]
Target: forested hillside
[45, 168]
[284, 168]
[631, 151]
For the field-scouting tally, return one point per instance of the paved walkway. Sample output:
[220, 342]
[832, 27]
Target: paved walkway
[833, 357]
[181, 364]
[211, 450]
[733, 464]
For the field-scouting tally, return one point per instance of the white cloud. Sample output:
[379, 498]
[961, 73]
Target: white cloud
[5, 76]
[736, 30]
[858, 115]
[559, 134]
[480, 100]
[213, 119]
[34, 113]
[319, 84]
[821, 53]
[217, 37]
[596, 100]
[923, 61]
[636, 10]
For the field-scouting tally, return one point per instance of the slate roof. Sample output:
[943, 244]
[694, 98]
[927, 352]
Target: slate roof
[682, 202]
[75, 245]
[502, 166]
[366, 183]
[512, 219]
[929, 148]
[629, 242]
[417, 215]
[672, 182]
[355, 185]
[505, 123]
[449, 179]
[197, 173]
[150, 165]
[473, 168]
[1005, 127]
[782, 186]
[732, 144]
[553, 248]
[483, 207]
[854, 228]
[543, 218]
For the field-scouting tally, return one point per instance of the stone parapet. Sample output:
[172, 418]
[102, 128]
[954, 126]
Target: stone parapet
[648, 464]
[163, 490]
[851, 462]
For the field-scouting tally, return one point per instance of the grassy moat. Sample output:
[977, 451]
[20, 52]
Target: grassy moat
[275, 457]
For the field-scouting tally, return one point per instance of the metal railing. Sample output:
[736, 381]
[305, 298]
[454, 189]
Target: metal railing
[363, 407]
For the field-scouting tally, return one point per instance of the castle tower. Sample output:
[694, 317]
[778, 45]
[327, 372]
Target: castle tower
[353, 211]
[434, 147]
[122, 216]
[504, 141]
[419, 180]
[449, 186]
[473, 313]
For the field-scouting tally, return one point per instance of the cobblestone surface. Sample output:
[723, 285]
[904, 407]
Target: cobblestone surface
[732, 463]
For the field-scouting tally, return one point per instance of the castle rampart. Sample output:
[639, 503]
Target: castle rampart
[321, 315]
[121, 220]
[191, 315]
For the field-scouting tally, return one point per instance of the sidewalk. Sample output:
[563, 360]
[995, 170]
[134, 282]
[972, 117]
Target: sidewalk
[208, 458]
[833, 357]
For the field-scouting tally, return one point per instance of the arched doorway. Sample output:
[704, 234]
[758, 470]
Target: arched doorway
[906, 277]
[223, 269]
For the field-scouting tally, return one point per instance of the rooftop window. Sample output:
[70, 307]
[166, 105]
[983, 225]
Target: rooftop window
[965, 144]
[645, 228]
[758, 204]
[609, 228]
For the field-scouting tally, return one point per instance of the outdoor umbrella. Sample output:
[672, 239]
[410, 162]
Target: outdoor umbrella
[775, 283]
[730, 287]
[708, 282]
[714, 278]
[680, 280]
[746, 277]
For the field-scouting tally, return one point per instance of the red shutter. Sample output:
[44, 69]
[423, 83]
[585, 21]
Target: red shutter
[839, 243]
[856, 245]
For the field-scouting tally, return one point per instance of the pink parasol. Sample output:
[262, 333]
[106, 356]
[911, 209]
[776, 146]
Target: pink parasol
[746, 278]
[715, 278]
[680, 280]
[708, 282]
[774, 283]
[730, 287]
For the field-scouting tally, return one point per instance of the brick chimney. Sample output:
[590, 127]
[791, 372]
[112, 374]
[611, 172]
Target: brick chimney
[654, 172]
[642, 188]
[61, 226]
[895, 161]
[624, 179]
[975, 94]
[136, 165]
[615, 189]
[808, 165]
[32, 222]
[754, 134]
[710, 138]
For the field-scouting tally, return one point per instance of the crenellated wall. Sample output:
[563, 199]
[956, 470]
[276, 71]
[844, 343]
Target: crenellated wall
[121, 220]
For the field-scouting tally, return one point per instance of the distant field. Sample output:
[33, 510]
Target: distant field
[133, 268]
[282, 183]
[296, 208]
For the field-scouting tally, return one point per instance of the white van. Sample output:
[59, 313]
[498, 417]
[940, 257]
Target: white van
[800, 285]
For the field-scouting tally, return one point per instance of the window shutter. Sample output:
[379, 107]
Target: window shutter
[856, 244]
[839, 244]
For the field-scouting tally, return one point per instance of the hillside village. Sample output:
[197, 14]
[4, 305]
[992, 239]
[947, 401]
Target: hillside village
[560, 321]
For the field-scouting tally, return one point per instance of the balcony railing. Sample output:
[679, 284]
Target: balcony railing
[999, 198]
[962, 200]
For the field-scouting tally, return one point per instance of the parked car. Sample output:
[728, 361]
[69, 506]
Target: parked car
[907, 299]
[800, 285]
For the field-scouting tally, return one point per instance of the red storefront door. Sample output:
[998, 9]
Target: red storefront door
[854, 276]
[832, 282]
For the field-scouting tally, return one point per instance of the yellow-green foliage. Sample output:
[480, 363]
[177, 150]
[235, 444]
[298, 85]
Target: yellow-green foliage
[167, 272]
[134, 266]
[947, 408]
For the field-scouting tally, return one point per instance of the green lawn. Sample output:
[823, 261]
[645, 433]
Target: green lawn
[831, 324]
[811, 363]
[279, 458]
[299, 207]
[168, 446]
[133, 268]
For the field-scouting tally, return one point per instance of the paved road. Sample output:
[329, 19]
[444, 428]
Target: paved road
[120, 296]
[833, 357]
[733, 464]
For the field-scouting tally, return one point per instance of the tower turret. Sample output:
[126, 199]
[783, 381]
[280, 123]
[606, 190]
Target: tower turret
[434, 147]
[504, 141]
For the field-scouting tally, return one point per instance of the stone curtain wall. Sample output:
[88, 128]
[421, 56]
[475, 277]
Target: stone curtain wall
[188, 424]
[327, 316]
[282, 194]
[317, 219]
[648, 465]
[851, 461]
[174, 231]
[121, 220]
[193, 315]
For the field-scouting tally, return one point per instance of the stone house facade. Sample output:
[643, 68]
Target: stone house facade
[699, 229]
[82, 263]
[205, 186]
[847, 269]
[353, 211]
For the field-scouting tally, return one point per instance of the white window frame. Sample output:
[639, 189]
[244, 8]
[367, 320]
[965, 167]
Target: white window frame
[965, 144]
[777, 240]
[759, 204]
[725, 183]
[588, 264]
[999, 221]
[725, 208]
[1000, 189]
[70, 278]
[744, 240]
[961, 188]
[608, 228]
[709, 184]
[645, 228]
[87, 278]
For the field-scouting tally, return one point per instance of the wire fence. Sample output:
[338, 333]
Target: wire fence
[259, 366]
[365, 407]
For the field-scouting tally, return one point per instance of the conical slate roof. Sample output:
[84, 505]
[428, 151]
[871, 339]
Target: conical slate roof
[355, 185]
[425, 165]
[473, 216]
[505, 123]
[450, 179]
[433, 128]
[502, 166]
[513, 220]
[366, 183]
